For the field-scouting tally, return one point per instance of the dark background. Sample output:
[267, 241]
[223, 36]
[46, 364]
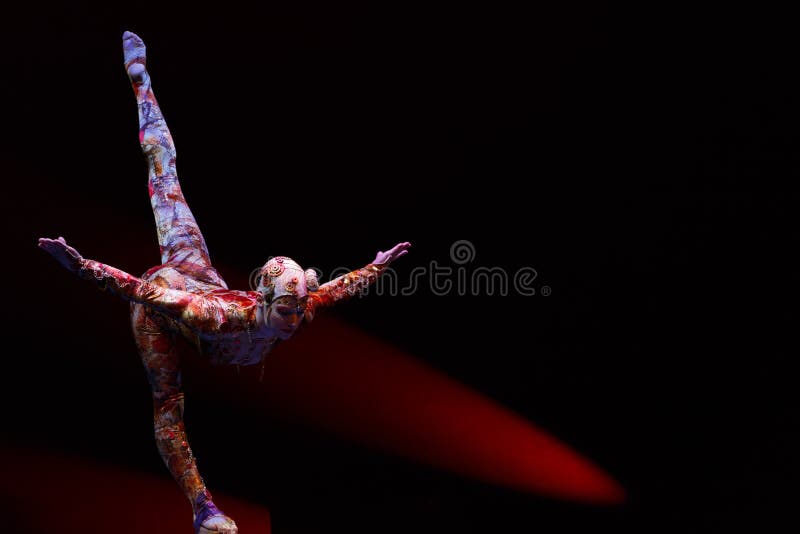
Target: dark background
[641, 161]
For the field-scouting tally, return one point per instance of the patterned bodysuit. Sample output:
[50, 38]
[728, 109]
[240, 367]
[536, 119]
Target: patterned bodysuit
[185, 296]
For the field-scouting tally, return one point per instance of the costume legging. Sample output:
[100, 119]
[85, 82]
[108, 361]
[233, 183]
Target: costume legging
[185, 265]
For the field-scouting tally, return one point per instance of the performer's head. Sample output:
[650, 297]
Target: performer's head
[284, 286]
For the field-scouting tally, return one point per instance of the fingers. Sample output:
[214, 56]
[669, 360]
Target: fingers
[397, 251]
[57, 246]
[400, 246]
[51, 246]
[44, 241]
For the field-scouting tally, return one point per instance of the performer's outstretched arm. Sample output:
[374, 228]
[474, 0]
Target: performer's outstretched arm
[193, 310]
[354, 282]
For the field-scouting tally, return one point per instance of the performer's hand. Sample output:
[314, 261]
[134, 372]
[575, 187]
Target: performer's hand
[63, 253]
[400, 249]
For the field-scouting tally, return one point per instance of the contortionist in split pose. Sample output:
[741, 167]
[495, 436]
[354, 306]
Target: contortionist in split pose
[185, 296]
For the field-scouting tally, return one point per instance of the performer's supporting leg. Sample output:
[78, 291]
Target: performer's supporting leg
[177, 228]
[157, 349]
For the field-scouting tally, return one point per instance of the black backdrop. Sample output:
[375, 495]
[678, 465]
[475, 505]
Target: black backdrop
[641, 161]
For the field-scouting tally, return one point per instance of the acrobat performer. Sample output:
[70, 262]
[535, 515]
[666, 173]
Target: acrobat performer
[185, 296]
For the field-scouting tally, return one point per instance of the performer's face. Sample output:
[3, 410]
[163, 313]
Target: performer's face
[285, 316]
[286, 311]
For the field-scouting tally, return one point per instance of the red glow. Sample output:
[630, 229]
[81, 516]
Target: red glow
[339, 378]
[90, 496]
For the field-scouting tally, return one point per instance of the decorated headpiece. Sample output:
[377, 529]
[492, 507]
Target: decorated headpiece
[274, 280]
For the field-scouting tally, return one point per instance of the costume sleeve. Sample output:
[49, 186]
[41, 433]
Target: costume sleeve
[195, 311]
[343, 287]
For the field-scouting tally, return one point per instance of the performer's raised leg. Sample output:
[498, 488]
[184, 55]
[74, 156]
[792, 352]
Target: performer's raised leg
[177, 228]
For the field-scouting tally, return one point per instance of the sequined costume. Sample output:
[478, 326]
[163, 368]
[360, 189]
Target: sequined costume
[185, 296]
